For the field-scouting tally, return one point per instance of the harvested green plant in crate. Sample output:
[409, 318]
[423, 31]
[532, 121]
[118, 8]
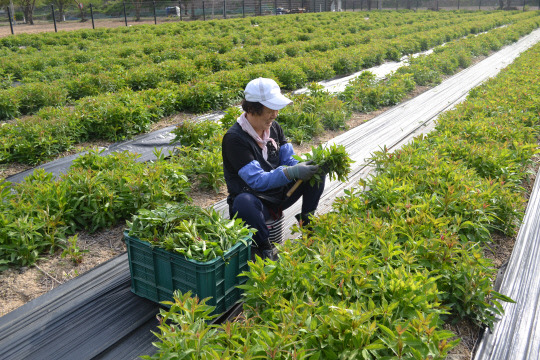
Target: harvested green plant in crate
[197, 233]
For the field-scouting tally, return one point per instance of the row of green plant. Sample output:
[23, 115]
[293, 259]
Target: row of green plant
[106, 48]
[398, 257]
[55, 86]
[120, 115]
[367, 93]
[37, 215]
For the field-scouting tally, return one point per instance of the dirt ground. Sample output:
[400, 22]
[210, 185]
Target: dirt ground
[39, 27]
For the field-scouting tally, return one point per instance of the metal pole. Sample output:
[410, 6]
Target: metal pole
[180, 6]
[203, 12]
[10, 21]
[290, 5]
[458, 4]
[479, 4]
[155, 19]
[92, 16]
[397, 5]
[54, 18]
[243, 8]
[324, 5]
[353, 4]
[125, 16]
[523, 5]
[260, 7]
[275, 6]
[437, 5]
[224, 9]
[416, 4]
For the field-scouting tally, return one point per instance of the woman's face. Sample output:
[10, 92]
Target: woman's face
[263, 121]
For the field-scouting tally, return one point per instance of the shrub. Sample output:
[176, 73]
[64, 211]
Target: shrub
[9, 104]
[32, 97]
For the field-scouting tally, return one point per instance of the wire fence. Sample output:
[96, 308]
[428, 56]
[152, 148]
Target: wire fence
[126, 13]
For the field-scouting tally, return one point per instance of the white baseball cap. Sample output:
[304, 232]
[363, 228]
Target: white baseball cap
[267, 92]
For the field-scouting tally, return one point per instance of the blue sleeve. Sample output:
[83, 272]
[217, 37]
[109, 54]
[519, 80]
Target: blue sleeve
[261, 180]
[286, 153]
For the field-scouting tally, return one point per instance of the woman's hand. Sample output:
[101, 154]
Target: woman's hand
[303, 171]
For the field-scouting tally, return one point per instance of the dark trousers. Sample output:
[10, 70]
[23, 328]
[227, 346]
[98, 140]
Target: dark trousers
[251, 209]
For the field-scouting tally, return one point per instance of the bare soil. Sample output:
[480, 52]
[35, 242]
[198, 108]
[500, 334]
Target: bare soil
[46, 26]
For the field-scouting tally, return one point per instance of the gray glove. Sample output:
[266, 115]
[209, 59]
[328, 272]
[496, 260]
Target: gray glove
[303, 171]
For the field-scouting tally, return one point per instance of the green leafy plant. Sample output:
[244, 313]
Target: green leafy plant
[193, 133]
[189, 230]
[73, 251]
[230, 117]
[333, 161]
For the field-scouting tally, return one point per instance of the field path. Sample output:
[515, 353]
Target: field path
[95, 316]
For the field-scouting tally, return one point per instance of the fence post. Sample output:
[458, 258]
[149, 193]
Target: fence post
[344, 5]
[260, 8]
[125, 16]
[154, 6]
[290, 5]
[203, 12]
[416, 4]
[458, 4]
[324, 5]
[92, 16]
[10, 20]
[275, 6]
[524, 5]
[437, 5]
[180, 7]
[479, 4]
[53, 17]
[224, 9]
[397, 5]
[243, 8]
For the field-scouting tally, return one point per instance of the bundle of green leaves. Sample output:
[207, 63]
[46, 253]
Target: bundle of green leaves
[332, 160]
[197, 233]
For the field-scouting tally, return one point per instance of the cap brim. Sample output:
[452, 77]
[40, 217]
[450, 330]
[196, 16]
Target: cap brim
[278, 102]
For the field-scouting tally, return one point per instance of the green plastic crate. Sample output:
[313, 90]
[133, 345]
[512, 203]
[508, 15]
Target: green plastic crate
[156, 273]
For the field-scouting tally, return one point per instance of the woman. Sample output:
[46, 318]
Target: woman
[259, 166]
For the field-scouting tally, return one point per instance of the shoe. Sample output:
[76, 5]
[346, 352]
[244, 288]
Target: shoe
[268, 254]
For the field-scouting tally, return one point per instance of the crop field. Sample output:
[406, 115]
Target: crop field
[410, 258]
